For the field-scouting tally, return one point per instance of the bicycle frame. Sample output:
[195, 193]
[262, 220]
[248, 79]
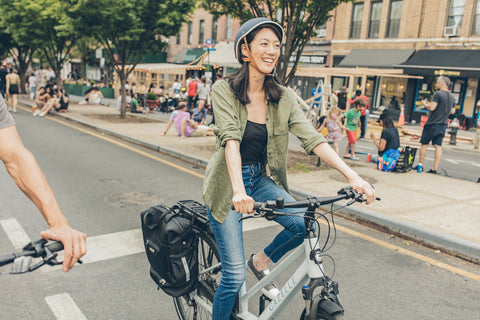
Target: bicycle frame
[307, 270]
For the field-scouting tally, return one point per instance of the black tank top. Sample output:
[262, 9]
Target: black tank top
[254, 143]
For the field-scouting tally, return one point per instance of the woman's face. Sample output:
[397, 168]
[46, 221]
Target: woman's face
[265, 50]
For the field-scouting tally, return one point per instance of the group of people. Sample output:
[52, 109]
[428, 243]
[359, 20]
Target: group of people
[48, 98]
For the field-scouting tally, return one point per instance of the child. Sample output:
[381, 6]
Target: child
[321, 128]
[334, 127]
[352, 116]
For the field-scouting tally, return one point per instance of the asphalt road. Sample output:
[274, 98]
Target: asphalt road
[103, 185]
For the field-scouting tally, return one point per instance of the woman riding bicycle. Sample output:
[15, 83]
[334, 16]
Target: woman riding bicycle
[253, 115]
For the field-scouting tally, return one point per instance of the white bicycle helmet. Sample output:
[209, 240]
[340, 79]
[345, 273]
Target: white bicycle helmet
[250, 26]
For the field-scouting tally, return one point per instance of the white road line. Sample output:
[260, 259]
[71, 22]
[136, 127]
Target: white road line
[64, 308]
[120, 244]
[17, 235]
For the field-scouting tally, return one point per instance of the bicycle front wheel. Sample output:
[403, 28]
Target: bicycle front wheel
[208, 259]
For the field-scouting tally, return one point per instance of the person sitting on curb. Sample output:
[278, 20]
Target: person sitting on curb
[59, 102]
[185, 126]
[134, 107]
[389, 138]
[200, 113]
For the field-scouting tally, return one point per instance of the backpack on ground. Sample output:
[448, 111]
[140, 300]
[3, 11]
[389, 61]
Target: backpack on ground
[388, 161]
[170, 236]
[406, 159]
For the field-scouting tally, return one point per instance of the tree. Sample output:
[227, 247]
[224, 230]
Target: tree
[126, 28]
[20, 36]
[57, 36]
[299, 18]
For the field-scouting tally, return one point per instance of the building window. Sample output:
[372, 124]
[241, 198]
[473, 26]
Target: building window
[228, 35]
[178, 37]
[356, 25]
[455, 17]
[214, 30]
[190, 34]
[375, 16]
[476, 20]
[201, 32]
[394, 19]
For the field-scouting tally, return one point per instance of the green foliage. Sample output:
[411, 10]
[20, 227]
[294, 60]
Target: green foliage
[151, 96]
[300, 19]
[127, 29]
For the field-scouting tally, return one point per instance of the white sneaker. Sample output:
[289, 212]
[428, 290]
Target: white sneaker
[36, 112]
[42, 114]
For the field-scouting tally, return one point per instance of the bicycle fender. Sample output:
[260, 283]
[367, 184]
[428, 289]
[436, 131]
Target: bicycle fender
[326, 305]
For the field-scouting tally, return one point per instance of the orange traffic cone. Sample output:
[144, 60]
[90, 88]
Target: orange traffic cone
[401, 119]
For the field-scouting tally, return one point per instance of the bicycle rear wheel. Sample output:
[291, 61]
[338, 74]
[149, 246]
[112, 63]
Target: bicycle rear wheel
[208, 256]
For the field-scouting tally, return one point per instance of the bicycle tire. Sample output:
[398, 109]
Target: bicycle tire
[208, 256]
[336, 316]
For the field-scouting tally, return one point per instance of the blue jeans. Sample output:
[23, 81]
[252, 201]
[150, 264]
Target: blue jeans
[229, 238]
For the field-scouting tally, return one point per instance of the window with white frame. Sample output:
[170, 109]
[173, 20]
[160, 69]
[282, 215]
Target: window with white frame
[476, 20]
[375, 16]
[455, 16]
[190, 34]
[394, 18]
[201, 32]
[356, 24]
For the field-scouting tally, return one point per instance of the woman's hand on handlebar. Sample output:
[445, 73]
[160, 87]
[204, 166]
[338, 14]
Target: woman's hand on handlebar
[243, 203]
[74, 243]
[364, 187]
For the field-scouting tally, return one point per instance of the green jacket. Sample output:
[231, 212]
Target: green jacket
[231, 119]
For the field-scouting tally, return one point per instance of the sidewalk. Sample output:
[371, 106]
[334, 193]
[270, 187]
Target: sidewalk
[440, 212]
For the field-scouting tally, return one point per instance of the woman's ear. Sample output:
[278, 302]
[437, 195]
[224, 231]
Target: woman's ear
[244, 51]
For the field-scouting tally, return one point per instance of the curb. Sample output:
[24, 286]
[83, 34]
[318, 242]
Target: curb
[461, 248]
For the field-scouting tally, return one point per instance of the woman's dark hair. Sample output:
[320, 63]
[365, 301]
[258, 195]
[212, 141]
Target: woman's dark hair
[387, 121]
[239, 81]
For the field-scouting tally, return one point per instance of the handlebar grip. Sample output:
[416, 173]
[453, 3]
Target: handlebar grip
[55, 246]
[7, 259]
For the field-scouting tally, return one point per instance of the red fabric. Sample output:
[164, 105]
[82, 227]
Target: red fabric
[363, 110]
[192, 88]
[351, 135]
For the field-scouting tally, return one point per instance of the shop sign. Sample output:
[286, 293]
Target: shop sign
[309, 59]
[447, 73]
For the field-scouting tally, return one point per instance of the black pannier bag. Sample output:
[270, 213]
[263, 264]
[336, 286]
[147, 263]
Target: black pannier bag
[171, 245]
[406, 159]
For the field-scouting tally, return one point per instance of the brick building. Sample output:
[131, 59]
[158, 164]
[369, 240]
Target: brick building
[423, 38]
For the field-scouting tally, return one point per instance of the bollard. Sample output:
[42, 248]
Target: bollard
[476, 142]
[453, 136]
[453, 131]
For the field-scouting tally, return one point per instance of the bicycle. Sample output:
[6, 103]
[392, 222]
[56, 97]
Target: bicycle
[309, 276]
[23, 262]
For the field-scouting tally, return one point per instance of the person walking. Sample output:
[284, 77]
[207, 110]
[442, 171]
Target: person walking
[441, 106]
[13, 89]
[3, 80]
[32, 83]
[192, 94]
[364, 112]
[342, 99]
[254, 115]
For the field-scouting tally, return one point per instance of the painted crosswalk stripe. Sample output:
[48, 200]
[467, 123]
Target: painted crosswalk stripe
[64, 308]
[17, 235]
[124, 243]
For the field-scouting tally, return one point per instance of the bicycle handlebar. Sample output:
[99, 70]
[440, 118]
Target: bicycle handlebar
[267, 209]
[35, 249]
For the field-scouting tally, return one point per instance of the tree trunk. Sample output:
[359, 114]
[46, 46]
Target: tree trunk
[123, 109]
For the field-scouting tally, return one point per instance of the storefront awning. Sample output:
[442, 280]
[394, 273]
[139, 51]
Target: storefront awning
[192, 54]
[376, 58]
[459, 63]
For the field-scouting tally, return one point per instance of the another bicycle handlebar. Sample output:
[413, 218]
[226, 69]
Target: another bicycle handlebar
[36, 249]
